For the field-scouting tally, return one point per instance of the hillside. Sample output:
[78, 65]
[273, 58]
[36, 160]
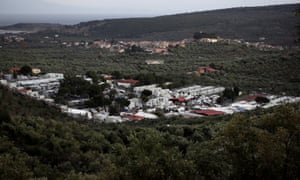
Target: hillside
[270, 71]
[39, 142]
[275, 23]
[31, 27]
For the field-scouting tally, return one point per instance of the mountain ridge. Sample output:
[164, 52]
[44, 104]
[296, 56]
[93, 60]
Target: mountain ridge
[276, 24]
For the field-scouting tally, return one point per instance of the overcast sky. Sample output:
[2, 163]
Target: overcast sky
[126, 7]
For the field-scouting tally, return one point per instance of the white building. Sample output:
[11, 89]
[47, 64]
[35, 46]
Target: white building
[135, 103]
[127, 83]
[162, 102]
[159, 98]
[139, 89]
[58, 76]
[197, 90]
[113, 119]
[77, 112]
[101, 116]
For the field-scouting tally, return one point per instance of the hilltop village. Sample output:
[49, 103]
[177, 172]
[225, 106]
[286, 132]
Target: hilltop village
[125, 100]
[123, 46]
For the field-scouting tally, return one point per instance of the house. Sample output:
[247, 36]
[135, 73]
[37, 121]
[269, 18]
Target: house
[12, 85]
[138, 90]
[8, 77]
[154, 61]
[159, 98]
[78, 102]
[77, 113]
[144, 44]
[101, 116]
[253, 97]
[205, 69]
[86, 78]
[209, 40]
[23, 90]
[180, 99]
[3, 82]
[34, 94]
[22, 77]
[146, 115]
[161, 102]
[126, 82]
[197, 90]
[138, 116]
[131, 116]
[242, 106]
[45, 86]
[14, 69]
[160, 50]
[135, 103]
[36, 71]
[209, 112]
[108, 79]
[76, 43]
[113, 119]
[58, 76]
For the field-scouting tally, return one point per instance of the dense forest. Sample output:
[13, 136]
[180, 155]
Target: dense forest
[37, 141]
[276, 24]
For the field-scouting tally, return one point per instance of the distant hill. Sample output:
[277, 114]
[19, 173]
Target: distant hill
[275, 23]
[35, 27]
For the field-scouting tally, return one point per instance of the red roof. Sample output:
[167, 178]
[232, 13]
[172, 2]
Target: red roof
[209, 112]
[132, 116]
[108, 78]
[207, 68]
[180, 99]
[14, 69]
[131, 81]
[23, 90]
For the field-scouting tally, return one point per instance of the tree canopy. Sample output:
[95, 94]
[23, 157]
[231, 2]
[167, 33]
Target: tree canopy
[26, 70]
